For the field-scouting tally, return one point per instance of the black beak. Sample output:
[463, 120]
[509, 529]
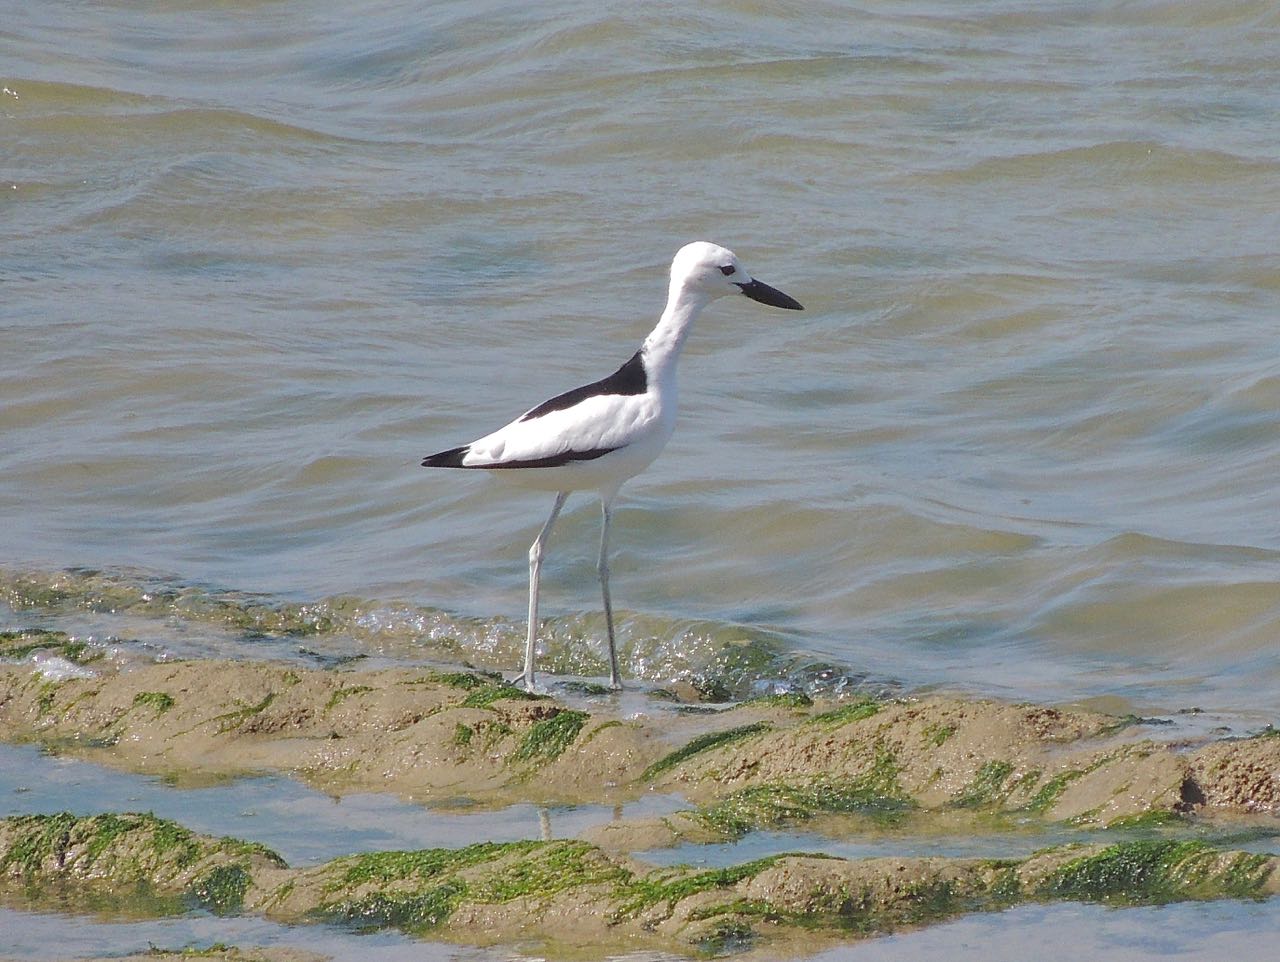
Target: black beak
[759, 291]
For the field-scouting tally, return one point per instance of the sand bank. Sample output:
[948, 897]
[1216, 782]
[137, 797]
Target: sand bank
[829, 769]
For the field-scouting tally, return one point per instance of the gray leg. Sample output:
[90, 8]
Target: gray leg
[536, 551]
[606, 508]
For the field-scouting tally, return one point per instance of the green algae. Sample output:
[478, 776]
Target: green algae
[1007, 888]
[342, 694]
[736, 915]
[1154, 872]
[1131, 721]
[222, 890]
[547, 739]
[215, 949]
[486, 694]
[420, 890]
[137, 859]
[24, 642]
[859, 907]
[248, 850]
[701, 744]
[876, 793]
[491, 732]
[986, 785]
[93, 590]
[412, 912]
[938, 735]
[589, 689]
[169, 840]
[1047, 796]
[39, 838]
[591, 735]
[728, 937]
[234, 719]
[854, 711]
[158, 701]
[1156, 818]
[16, 644]
[48, 694]
[766, 806]
[425, 906]
[789, 699]
[135, 849]
[882, 777]
[423, 864]
[923, 901]
[545, 870]
[670, 886]
[464, 680]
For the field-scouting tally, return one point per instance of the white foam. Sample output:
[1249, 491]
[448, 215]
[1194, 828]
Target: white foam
[56, 668]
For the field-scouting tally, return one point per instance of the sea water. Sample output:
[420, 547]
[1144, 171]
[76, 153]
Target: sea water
[259, 259]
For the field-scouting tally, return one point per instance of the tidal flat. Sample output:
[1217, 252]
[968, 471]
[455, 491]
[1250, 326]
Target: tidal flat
[1065, 804]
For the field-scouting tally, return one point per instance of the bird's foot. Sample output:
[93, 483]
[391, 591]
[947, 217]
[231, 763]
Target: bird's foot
[525, 680]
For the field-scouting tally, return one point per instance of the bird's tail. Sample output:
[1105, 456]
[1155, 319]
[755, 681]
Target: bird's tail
[447, 459]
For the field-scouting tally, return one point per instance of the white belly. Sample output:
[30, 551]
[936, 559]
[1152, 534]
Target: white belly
[604, 474]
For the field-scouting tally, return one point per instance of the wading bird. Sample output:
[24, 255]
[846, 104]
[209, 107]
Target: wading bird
[597, 436]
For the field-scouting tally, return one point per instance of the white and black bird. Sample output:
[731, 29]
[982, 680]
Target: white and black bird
[597, 436]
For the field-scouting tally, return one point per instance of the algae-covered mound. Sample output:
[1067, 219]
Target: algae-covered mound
[766, 763]
[885, 760]
[413, 731]
[132, 851]
[832, 768]
[570, 889]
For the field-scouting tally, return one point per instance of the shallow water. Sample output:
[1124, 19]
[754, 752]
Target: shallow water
[1244, 931]
[45, 937]
[259, 259]
[303, 825]
[1221, 930]
[996, 839]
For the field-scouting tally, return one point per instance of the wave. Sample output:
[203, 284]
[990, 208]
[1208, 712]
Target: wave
[136, 614]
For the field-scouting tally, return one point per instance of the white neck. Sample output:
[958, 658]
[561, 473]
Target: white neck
[662, 346]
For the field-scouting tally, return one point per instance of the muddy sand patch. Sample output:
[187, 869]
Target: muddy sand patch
[572, 892]
[775, 762]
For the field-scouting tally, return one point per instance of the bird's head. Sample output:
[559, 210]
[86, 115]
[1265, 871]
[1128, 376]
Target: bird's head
[715, 271]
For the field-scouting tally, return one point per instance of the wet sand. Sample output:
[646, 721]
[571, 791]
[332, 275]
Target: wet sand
[1157, 817]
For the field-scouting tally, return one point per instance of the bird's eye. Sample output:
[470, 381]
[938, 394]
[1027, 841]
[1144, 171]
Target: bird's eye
[727, 269]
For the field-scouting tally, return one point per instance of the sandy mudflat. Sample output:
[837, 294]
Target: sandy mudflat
[934, 763]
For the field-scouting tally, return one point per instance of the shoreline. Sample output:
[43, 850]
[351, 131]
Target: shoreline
[930, 764]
